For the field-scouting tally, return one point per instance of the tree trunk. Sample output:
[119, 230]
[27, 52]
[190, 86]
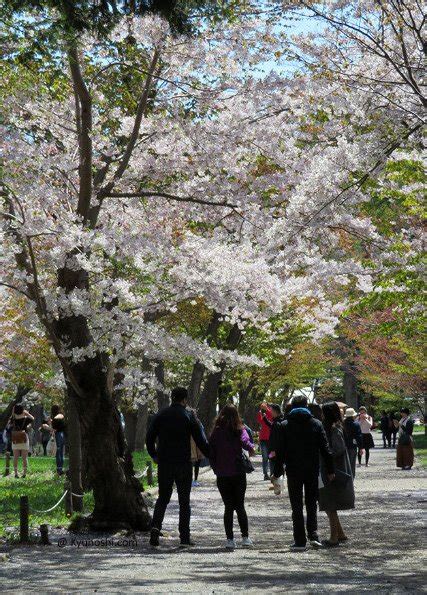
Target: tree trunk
[210, 393]
[195, 385]
[74, 454]
[130, 428]
[350, 388]
[141, 426]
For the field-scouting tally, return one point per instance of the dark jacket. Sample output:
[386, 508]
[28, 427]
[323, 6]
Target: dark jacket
[298, 441]
[352, 434]
[173, 427]
[226, 451]
[339, 493]
[385, 424]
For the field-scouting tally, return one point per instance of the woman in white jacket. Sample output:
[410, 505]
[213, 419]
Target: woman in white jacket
[366, 422]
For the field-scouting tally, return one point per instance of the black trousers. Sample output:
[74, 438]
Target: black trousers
[387, 439]
[296, 485]
[232, 490]
[181, 474]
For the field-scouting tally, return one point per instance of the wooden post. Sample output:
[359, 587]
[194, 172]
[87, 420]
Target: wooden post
[150, 473]
[24, 536]
[44, 535]
[68, 499]
[7, 468]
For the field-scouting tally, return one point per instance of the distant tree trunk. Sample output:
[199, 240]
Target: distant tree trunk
[74, 454]
[141, 426]
[162, 396]
[130, 428]
[195, 385]
[21, 391]
[210, 393]
[350, 387]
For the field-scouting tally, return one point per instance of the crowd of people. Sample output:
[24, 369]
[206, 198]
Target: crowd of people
[16, 436]
[315, 447]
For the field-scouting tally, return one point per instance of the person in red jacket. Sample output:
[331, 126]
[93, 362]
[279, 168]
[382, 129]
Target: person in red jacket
[264, 416]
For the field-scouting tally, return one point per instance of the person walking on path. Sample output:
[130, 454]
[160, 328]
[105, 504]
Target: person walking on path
[227, 440]
[196, 454]
[366, 423]
[337, 494]
[300, 441]
[405, 447]
[57, 422]
[385, 429]
[20, 422]
[172, 428]
[264, 417]
[353, 438]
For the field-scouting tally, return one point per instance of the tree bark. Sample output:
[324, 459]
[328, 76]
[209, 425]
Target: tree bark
[130, 428]
[74, 454]
[195, 385]
[350, 388]
[210, 393]
[141, 426]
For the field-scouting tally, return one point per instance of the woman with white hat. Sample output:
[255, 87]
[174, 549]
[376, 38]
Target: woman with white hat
[366, 422]
[353, 437]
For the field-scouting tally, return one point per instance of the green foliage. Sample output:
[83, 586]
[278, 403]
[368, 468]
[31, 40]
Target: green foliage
[43, 488]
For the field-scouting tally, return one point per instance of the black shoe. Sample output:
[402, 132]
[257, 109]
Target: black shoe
[266, 478]
[298, 548]
[154, 537]
[314, 540]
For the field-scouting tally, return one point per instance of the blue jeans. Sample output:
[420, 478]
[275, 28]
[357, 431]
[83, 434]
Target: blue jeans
[266, 465]
[60, 441]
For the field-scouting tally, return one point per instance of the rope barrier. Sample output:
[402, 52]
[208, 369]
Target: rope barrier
[77, 495]
[53, 507]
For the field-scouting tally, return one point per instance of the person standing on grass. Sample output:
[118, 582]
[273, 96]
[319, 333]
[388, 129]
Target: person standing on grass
[57, 422]
[264, 418]
[227, 440]
[337, 494]
[300, 441]
[172, 429]
[353, 437]
[405, 446]
[366, 422]
[20, 422]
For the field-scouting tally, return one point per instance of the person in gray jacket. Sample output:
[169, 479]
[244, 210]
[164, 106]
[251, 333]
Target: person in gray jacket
[337, 494]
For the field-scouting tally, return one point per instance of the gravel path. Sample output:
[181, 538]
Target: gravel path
[385, 553]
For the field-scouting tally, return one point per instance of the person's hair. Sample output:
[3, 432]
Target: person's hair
[54, 410]
[275, 407]
[299, 401]
[230, 419]
[384, 412]
[363, 408]
[331, 415]
[316, 411]
[288, 408]
[404, 410]
[179, 394]
[18, 409]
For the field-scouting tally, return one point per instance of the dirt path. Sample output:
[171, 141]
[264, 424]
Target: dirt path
[384, 555]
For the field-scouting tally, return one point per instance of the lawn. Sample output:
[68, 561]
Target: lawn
[44, 488]
[420, 443]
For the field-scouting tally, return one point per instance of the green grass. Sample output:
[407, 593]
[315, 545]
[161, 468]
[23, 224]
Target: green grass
[43, 488]
[420, 443]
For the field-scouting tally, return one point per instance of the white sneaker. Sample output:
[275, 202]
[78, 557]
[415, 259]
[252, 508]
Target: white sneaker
[247, 542]
[230, 544]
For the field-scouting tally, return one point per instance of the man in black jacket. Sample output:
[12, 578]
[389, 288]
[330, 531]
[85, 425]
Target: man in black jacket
[173, 428]
[298, 442]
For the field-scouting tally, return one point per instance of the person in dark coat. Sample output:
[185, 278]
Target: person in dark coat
[172, 428]
[405, 446]
[353, 437]
[385, 429]
[299, 442]
[337, 494]
[394, 427]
